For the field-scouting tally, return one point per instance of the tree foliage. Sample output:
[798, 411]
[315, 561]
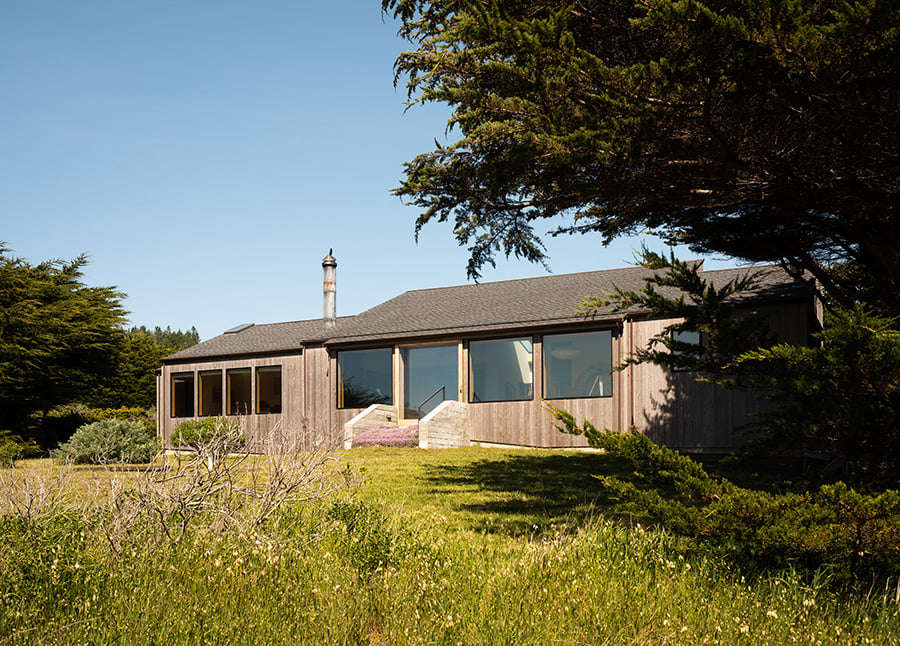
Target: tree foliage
[839, 396]
[849, 536]
[766, 131]
[842, 397]
[63, 344]
[677, 291]
[131, 379]
[56, 334]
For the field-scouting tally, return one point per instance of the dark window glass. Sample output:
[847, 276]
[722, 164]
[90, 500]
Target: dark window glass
[364, 378]
[183, 394]
[688, 338]
[238, 386]
[578, 365]
[268, 389]
[426, 370]
[210, 393]
[501, 370]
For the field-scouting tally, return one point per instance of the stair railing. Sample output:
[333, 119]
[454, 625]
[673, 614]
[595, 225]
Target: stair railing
[443, 392]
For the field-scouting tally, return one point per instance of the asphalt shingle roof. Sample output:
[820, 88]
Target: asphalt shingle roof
[256, 339]
[545, 300]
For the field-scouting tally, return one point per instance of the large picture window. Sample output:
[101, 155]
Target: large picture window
[364, 378]
[210, 393]
[578, 365]
[268, 389]
[238, 388]
[183, 394]
[501, 370]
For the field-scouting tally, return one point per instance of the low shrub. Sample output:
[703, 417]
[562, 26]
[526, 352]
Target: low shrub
[110, 441]
[61, 422]
[368, 540]
[852, 536]
[210, 437]
[13, 447]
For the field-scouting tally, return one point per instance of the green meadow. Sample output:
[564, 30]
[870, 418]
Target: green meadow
[383, 546]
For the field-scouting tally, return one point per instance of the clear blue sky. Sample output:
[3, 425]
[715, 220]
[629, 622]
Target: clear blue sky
[206, 156]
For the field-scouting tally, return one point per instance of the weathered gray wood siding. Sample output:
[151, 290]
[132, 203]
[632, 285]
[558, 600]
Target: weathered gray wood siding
[676, 410]
[304, 420]
[672, 408]
[325, 420]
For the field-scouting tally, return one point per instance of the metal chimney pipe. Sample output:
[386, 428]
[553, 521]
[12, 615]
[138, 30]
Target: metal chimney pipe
[329, 267]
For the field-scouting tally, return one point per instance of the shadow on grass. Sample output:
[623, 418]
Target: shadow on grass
[528, 494]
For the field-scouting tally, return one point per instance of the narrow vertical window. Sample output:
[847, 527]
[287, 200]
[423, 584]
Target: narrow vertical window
[430, 371]
[238, 387]
[183, 394]
[210, 393]
[686, 345]
[578, 365]
[268, 389]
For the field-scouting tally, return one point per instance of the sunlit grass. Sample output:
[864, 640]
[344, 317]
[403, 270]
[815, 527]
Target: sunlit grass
[470, 546]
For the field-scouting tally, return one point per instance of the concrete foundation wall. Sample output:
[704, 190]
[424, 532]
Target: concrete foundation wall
[446, 427]
[375, 416]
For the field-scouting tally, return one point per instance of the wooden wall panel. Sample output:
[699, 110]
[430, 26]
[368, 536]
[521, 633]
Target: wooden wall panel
[285, 428]
[676, 410]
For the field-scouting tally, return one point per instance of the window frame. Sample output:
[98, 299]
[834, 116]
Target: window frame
[258, 407]
[699, 344]
[200, 395]
[229, 408]
[339, 376]
[547, 355]
[173, 391]
[471, 396]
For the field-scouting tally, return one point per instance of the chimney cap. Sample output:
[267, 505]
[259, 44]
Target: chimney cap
[329, 259]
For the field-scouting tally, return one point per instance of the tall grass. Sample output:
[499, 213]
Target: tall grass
[405, 561]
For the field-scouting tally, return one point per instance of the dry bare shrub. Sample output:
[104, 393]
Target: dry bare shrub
[214, 489]
[35, 490]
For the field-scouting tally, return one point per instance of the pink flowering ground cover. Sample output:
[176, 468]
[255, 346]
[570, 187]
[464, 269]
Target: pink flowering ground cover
[389, 436]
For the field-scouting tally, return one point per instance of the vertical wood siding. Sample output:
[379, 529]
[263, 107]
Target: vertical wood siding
[282, 429]
[676, 410]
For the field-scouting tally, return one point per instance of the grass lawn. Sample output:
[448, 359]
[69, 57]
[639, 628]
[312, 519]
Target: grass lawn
[514, 492]
[462, 546]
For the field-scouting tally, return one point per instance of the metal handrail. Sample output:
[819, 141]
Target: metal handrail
[441, 390]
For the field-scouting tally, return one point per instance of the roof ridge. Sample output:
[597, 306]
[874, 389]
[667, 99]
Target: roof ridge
[765, 266]
[516, 280]
[313, 320]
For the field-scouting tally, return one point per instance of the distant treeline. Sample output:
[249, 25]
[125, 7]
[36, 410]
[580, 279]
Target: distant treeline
[65, 344]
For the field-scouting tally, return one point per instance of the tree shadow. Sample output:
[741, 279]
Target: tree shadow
[535, 494]
[529, 494]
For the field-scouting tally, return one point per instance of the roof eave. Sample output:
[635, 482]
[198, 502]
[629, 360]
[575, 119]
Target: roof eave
[474, 330]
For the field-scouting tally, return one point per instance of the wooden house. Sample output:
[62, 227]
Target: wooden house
[470, 364]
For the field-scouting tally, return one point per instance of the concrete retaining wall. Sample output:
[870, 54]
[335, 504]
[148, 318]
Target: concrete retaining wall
[446, 427]
[375, 416]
